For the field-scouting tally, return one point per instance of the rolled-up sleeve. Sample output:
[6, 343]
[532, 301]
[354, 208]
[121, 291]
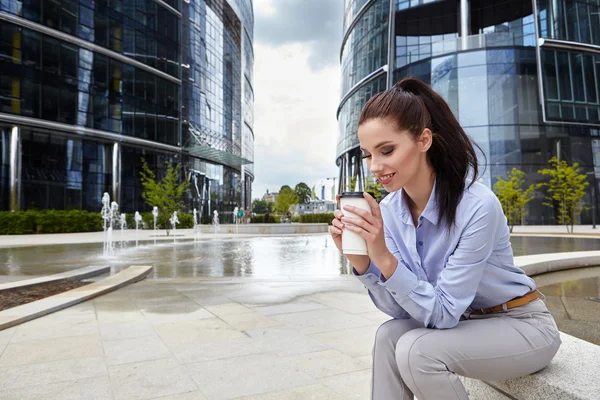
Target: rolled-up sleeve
[441, 306]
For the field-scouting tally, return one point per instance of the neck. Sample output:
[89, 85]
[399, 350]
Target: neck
[420, 188]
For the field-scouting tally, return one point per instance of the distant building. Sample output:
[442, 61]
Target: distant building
[270, 197]
[316, 207]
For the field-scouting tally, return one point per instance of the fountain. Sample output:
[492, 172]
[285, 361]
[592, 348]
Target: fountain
[196, 224]
[138, 219]
[123, 224]
[113, 216]
[105, 213]
[155, 215]
[215, 221]
[174, 221]
[235, 215]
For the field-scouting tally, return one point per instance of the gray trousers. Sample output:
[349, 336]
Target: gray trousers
[409, 360]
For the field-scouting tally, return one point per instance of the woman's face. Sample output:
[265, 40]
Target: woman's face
[393, 156]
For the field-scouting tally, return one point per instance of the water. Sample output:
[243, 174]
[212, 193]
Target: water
[572, 298]
[260, 257]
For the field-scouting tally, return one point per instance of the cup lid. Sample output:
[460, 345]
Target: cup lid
[352, 194]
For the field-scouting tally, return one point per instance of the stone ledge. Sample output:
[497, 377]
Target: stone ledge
[572, 375]
[552, 262]
[78, 274]
[267, 229]
[26, 312]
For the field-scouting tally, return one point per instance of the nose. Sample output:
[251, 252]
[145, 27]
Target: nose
[375, 166]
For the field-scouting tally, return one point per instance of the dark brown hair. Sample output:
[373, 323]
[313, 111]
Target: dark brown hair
[412, 105]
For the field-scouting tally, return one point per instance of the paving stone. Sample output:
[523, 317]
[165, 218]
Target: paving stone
[195, 352]
[291, 307]
[135, 350]
[150, 379]
[246, 375]
[197, 331]
[312, 392]
[176, 313]
[326, 363]
[351, 386]
[286, 341]
[251, 320]
[23, 376]
[88, 389]
[310, 322]
[354, 342]
[125, 330]
[39, 351]
[228, 309]
[353, 303]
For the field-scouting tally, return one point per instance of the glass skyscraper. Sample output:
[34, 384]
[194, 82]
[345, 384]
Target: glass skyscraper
[90, 87]
[520, 76]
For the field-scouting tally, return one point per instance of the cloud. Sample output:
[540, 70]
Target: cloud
[316, 23]
[295, 121]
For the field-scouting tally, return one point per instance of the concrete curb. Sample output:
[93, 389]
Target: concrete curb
[78, 274]
[39, 308]
[552, 262]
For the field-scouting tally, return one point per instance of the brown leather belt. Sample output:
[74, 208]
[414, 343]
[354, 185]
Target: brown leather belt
[516, 302]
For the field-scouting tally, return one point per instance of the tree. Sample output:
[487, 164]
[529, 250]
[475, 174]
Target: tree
[566, 189]
[513, 196]
[165, 194]
[285, 199]
[374, 188]
[302, 192]
[261, 206]
[313, 194]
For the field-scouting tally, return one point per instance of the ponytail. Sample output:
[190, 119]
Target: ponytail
[413, 106]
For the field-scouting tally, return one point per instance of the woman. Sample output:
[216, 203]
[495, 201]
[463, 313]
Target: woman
[440, 261]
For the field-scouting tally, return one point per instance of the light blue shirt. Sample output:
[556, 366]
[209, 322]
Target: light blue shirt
[442, 273]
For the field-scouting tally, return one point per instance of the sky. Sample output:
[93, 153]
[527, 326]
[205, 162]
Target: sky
[297, 91]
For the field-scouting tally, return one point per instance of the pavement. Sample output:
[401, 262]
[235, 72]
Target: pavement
[189, 339]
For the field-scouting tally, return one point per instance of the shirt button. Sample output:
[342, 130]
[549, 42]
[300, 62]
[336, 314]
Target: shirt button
[394, 293]
[420, 243]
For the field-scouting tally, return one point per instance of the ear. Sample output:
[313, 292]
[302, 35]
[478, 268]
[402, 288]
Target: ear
[426, 139]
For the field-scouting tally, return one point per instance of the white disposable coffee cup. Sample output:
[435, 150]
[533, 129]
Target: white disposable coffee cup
[352, 243]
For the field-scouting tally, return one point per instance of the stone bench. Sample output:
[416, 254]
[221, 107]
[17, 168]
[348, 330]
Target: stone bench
[574, 373]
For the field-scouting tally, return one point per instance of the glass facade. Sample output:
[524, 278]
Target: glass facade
[162, 79]
[140, 29]
[490, 80]
[365, 49]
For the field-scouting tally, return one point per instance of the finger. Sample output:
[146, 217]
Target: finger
[347, 221]
[335, 231]
[337, 198]
[367, 216]
[360, 231]
[374, 205]
[337, 223]
[338, 214]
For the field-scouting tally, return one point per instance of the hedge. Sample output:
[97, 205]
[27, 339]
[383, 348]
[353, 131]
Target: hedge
[260, 219]
[49, 221]
[72, 221]
[325, 218]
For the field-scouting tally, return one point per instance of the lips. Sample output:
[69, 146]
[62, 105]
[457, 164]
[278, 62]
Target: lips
[385, 179]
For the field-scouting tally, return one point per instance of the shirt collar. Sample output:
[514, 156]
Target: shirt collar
[430, 213]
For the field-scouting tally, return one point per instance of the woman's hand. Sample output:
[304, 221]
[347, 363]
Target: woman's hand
[370, 227]
[360, 263]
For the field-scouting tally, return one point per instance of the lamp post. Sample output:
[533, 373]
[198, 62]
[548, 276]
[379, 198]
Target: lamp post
[593, 198]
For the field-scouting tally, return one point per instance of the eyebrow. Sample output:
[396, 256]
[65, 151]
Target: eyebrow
[379, 145]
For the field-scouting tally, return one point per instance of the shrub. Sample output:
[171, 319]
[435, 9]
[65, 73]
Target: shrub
[260, 219]
[325, 218]
[49, 221]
